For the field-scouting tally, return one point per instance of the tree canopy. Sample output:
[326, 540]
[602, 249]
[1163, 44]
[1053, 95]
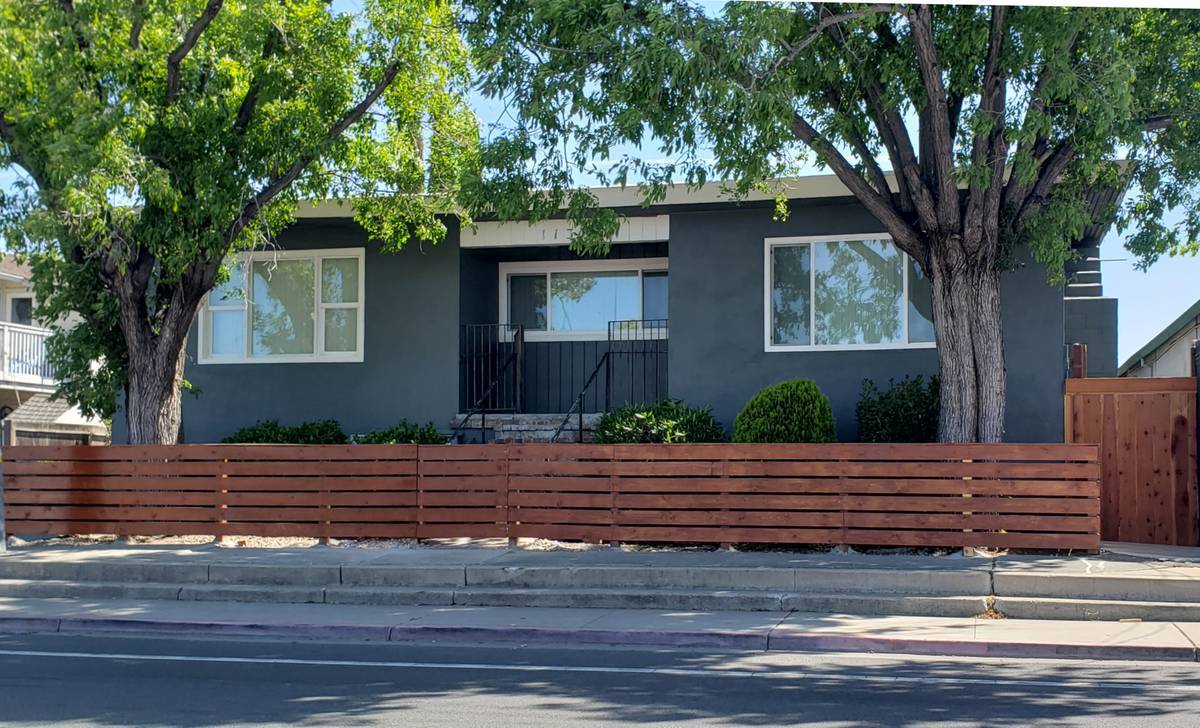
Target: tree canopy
[153, 138]
[969, 132]
[1089, 94]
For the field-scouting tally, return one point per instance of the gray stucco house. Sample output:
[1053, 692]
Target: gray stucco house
[700, 298]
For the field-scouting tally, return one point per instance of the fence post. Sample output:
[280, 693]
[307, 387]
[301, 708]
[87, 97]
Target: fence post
[614, 523]
[1196, 427]
[512, 540]
[9, 435]
[222, 524]
[1077, 362]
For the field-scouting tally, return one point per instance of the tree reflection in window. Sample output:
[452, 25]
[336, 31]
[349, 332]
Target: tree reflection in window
[588, 301]
[860, 287]
[791, 295]
[283, 296]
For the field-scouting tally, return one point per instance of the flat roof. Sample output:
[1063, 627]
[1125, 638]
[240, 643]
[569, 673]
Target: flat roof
[794, 188]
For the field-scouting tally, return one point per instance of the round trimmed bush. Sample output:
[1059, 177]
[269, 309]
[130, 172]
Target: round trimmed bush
[792, 411]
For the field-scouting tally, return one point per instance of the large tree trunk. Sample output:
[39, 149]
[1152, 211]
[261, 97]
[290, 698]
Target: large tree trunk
[966, 320]
[153, 407]
[155, 336]
[987, 332]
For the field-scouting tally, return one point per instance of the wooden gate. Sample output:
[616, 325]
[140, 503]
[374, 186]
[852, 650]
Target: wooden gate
[1146, 429]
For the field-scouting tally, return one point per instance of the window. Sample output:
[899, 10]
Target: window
[20, 310]
[289, 306]
[577, 299]
[853, 292]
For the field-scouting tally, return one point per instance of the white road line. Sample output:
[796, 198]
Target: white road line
[668, 671]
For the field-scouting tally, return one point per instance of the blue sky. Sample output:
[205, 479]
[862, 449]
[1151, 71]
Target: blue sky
[1147, 301]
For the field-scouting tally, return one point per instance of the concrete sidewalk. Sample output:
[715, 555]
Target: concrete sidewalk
[1105, 587]
[748, 631]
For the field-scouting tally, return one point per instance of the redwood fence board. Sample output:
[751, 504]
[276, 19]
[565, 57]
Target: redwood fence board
[1146, 430]
[1019, 496]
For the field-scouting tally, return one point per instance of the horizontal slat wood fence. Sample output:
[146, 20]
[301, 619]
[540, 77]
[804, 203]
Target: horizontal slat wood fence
[1018, 496]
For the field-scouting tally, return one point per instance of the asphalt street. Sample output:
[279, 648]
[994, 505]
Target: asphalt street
[65, 680]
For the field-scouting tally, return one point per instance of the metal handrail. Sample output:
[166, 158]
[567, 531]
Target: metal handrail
[478, 408]
[579, 400]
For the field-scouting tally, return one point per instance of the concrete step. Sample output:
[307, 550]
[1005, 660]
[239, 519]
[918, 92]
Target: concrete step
[824, 580]
[1105, 610]
[751, 579]
[1156, 588]
[699, 600]
[49, 588]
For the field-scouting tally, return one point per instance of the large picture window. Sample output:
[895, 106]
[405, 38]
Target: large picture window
[578, 299]
[289, 306]
[844, 293]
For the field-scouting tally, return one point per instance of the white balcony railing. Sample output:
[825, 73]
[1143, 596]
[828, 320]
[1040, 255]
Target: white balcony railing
[23, 355]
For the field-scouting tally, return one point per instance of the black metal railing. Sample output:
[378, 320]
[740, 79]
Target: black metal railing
[636, 369]
[491, 368]
[634, 363]
[503, 372]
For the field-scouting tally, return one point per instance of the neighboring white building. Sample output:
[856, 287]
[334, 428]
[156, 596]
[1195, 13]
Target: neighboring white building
[24, 370]
[1169, 354]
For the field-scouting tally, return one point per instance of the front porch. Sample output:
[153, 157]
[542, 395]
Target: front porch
[542, 389]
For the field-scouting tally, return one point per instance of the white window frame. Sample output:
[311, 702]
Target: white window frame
[547, 267]
[319, 307]
[769, 244]
[12, 297]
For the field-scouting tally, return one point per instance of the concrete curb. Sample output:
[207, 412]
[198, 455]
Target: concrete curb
[723, 639]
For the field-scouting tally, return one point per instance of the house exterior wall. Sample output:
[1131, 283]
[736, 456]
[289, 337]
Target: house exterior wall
[410, 355]
[1093, 321]
[1172, 359]
[717, 355]
[416, 301]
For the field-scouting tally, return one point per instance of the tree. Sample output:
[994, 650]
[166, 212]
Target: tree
[995, 122]
[155, 138]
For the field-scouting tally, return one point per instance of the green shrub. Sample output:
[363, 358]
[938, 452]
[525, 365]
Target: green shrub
[668, 421]
[403, 433]
[906, 412]
[792, 411]
[320, 432]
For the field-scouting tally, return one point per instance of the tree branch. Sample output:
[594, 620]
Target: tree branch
[914, 195]
[1158, 123]
[859, 144]
[175, 58]
[1051, 171]
[1016, 191]
[989, 148]
[902, 233]
[941, 141]
[250, 101]
[816, 31]
[135, 28]
[280, 182]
